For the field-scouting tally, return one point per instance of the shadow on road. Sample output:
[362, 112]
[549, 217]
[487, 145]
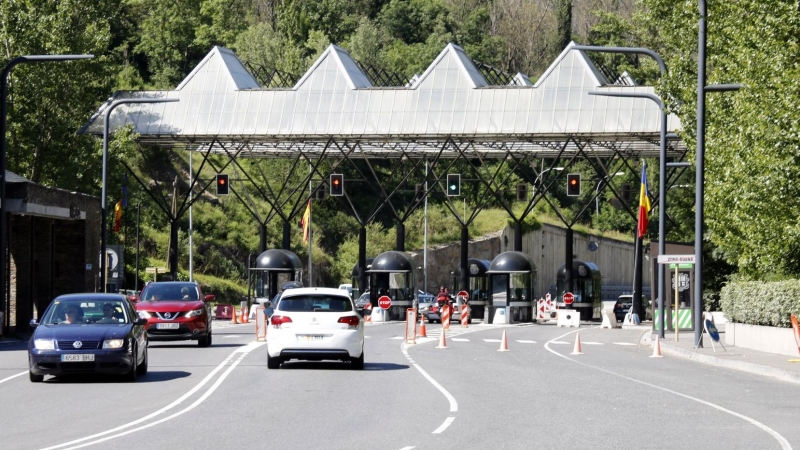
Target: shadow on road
[151, 377]
[332, 365]
[154, 345]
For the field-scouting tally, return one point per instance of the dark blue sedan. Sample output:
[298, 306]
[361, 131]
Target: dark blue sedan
[88, 333]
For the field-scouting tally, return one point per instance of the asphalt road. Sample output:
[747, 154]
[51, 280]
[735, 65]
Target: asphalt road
[470, 395]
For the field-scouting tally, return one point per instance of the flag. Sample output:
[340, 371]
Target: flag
[117, 216]
[306, 222]
[644, 204]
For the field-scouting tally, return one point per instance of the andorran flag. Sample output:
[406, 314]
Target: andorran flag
[306, 222]
[644, 204]
[117, 216]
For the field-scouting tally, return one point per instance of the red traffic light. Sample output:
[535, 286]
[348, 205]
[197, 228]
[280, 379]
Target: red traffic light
[573, 184]
[337, 184]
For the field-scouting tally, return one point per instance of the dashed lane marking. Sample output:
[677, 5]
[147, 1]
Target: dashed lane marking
[459, 340]
[523, 341]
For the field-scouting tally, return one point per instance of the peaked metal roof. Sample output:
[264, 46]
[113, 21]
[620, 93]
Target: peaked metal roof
[221, 102]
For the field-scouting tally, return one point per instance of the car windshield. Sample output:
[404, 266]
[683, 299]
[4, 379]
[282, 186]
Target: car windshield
[86, 312]
[170, 292]
[310, 303]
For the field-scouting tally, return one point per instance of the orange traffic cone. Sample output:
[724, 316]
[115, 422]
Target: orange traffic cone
[442, 341]
[245, 315]
[503, 343]
[577, 349]
[657, 349]
[233, 316]
[422, 331]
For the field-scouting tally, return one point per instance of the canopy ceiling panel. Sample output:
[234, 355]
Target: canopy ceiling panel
[222, 103]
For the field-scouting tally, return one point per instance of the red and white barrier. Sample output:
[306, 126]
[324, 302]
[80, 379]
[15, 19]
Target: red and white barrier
[445, 315]
[368, 317]
[544, 308]
[465, 316]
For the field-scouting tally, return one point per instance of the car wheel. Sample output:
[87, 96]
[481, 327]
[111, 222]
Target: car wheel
[133, 373]
[142, 369]
[358, 363]
[273, 363]
[204, 341]
[35, 378]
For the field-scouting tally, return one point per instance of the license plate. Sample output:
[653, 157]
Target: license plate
[313, 337]
[167, 326]
[81, 357]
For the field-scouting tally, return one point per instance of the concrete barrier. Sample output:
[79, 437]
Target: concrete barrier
[568, 318]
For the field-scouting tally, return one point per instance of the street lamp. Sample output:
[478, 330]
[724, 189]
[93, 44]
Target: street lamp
[559, 169]
[103, 209]
[3, 112]
[597, 190]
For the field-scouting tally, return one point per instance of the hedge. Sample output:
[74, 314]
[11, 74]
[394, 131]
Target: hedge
[761, 303]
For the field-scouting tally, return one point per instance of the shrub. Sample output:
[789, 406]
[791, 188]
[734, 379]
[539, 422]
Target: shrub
[761, 303]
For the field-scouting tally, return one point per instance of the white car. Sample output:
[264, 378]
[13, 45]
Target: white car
[315, 324]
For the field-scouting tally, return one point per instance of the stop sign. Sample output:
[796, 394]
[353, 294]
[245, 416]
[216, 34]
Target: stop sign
[568, 298]
[464, 295]
[385, 302]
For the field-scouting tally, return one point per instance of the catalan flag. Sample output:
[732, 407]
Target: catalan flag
[644, 204]
[117, 216]
[306, 222]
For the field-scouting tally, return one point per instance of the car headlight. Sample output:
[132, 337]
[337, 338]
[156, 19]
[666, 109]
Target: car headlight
[113, 343]
[44, 344]
[196, 312]
[143, 314]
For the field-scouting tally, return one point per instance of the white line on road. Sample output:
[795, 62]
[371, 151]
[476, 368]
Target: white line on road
[592, 343]
[444, 426]
[14, 376]
[491, 340]
[781, 440]
[408, 448]
[459, 340]
[623, 343]
[450, 398]
[523, 341]
[160, 411]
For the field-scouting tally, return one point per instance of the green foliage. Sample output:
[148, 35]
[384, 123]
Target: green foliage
[761, 303]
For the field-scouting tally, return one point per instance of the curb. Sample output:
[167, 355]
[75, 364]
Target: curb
[756, 369]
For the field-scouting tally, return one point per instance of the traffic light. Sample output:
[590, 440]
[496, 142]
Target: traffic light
[453, 184]
[522, 192]
[222, 184]
[573, 184]
[337, 184]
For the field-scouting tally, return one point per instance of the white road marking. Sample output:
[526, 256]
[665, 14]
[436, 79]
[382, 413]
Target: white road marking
[781, 440]
[397, 337]
[491, 340]
[523, 341]
[558, 342]
[14, 376]
[444, 426]
[228, 336]
[408, 448]
[623, 343]
[177, 402]
[459, 340]
[450, 398]
[592, 343]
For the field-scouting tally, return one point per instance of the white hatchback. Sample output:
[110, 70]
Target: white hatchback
[315, 324]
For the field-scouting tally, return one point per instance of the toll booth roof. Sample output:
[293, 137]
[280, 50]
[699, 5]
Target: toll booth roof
[511, 262]
[278, 260]
[392, 261]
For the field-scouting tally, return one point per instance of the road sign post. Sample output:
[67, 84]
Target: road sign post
[385, 302]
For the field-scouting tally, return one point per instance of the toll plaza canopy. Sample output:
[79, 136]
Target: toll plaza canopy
[222, 104]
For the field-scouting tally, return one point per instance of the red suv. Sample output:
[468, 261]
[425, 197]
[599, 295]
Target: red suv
[176, 311]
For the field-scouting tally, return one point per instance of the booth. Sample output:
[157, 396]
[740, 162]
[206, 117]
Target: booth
[356, 276]
[478, 288]
[273, 268]
[392, 274]
[586, 289]
[512, 276]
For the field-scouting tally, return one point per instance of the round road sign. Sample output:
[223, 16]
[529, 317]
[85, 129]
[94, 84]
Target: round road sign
[464, 295]
[568, 298]
[385, 302]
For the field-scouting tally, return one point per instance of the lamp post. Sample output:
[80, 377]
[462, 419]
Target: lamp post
[597, 190]
[103, 209]
[662, 165]
[3, 113]
[536, 180]
[700, 168]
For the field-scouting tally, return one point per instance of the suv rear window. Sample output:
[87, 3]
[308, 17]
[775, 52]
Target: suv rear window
[321, 303]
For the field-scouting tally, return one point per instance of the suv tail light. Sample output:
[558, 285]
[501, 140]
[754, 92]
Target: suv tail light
[351, 321]
[277, 321]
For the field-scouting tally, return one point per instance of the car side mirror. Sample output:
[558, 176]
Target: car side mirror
[209, 297]
[34, 323]
[140, 321]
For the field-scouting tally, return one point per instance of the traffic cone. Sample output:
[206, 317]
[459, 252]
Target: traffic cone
[442, 341]
[577, 349]
[422, 331]
[503, 343]
[657, 349]
[245, 315]
[233, 317]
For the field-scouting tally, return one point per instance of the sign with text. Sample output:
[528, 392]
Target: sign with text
[676, 259]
